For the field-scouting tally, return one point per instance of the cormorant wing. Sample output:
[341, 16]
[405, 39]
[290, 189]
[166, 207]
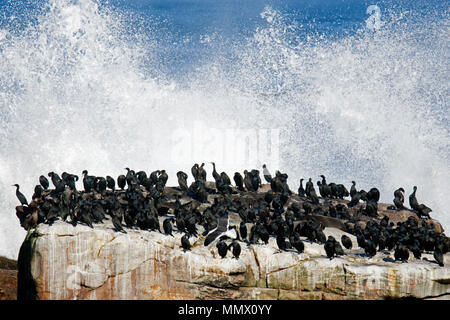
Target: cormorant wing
[222, 226]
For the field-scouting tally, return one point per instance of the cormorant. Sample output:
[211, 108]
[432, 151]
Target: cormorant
[355, 200]
[185, 243]
[255, 179]
[202, 173]
[370, 248]
[20, 195]
[399, 199]
[55, 178]
[267, 174]
[235, 249]
[222, 247]
[88, 181]
[216, 176]
[401, 253]
[182, 180]
[338, 249]
[243, 230]
[248, 181]
[44, 182]
[308, 187]
[100, 184]
[437, 254]
[341, 191]
[413, 200]
[301, 190]
[162, 179]
[329, 247]
[353, 189]
[117, 223]
[324, 189]
[225, 178]
[297, 243]
[222, 229]
[346, 242]
[37, 192]
[154, 177]
[281, 241]
[239, 181]
[313, 196]
[422, 210]
[121, 181]
[194, 171]
[361, 240]
[111, 184]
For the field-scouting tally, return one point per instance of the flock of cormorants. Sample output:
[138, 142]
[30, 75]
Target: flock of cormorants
[139, 200]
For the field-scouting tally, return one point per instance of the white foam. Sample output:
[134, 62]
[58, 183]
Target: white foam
[370, 107]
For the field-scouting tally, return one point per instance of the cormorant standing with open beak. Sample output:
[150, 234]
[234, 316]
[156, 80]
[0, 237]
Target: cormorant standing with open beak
[422, 210]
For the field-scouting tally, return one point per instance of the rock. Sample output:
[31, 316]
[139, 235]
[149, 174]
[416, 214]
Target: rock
[66, 262]
[8, 279]
[8, 284]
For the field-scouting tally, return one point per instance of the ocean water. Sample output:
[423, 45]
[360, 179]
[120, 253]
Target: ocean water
[309, 87]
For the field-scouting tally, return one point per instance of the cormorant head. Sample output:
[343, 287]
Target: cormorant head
[50, 174]
[415, 188]
[402, 190]
[85, 172]
[264, 166]
[318, 183]
[353, 182]
[15, 185]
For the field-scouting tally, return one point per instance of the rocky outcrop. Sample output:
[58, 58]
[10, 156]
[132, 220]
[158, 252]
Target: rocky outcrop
[8, 279]
[66, 262]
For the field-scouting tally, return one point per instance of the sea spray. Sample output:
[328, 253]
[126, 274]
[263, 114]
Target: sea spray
[79, 91]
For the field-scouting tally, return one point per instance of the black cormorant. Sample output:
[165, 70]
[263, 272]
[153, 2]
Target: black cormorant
[20, 195]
